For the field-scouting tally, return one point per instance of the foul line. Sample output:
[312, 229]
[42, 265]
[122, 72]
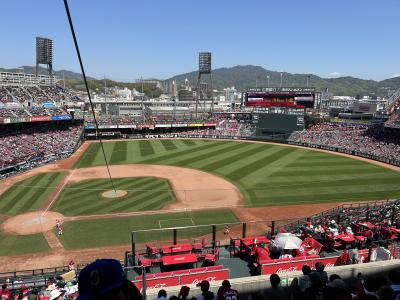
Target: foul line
[66, 180]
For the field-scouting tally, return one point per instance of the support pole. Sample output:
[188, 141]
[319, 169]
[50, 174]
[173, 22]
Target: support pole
[175, 233]
[214, 236]
[244, 225]
[133, 234]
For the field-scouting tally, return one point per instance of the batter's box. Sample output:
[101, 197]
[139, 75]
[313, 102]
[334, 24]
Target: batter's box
[182, 222]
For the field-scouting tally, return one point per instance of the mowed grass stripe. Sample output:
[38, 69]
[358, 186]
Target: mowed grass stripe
[31, 200]
[91, 202]
[86, 233]
[146, 148]
[11, 196]
[322, 197]
[232, 159]
[178, 154]
[145, 200]
[188, 142]
[70, 201]
[29, 195]
[168, 145]
[17, 192]
[317, 189]
[328, 171]
[99, 204]
[89, 156]
[334, 183]
[311, 178]
[246, 170]
[339, 162]
[119, 152]
[222, 151]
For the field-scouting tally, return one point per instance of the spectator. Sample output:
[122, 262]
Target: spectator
[162, 295]
[205, 293]
[184, 293]
[225, 292]
[394, 277]
[304, 281]
[275, 292]
[105, 279]
[319, 271]
[386, 293]
[314, 292]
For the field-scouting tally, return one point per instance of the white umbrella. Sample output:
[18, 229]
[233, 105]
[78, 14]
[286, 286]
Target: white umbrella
[287, 241]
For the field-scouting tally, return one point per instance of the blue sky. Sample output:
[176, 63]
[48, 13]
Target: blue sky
[126, 39]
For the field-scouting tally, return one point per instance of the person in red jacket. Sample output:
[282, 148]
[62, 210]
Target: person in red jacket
[226, 293]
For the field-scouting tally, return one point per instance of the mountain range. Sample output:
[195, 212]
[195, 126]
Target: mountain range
[243, 77]
[246, 76]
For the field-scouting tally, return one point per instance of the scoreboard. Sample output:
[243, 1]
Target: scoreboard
[278, 120]
[296, 97]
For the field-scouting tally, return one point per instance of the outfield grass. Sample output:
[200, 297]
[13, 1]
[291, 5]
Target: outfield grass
[29, 194]
[144, 193]
[21, 244]
[115, 231]
[266, 174]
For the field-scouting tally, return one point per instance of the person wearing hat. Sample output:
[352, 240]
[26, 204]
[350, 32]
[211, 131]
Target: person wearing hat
[205, 293]
[226, 293]
[105, 279]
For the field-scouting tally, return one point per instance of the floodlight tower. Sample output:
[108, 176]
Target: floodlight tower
[44, 54]
[204, 91]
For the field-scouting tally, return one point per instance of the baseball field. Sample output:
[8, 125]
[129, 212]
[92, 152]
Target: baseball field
[176, 182]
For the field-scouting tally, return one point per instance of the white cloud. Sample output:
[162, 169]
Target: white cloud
[334, 74]
[395, 75]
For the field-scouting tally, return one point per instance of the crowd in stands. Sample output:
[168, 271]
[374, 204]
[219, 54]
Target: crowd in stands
[37, 144]
[110, 283]
[29, 100]
[372, 141]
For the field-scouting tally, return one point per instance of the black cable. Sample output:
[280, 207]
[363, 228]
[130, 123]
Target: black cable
[71, 25]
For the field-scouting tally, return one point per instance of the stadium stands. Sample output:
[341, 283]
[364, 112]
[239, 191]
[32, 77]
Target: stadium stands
[25, 101]
[362, 218]
[37, 145]
[381, 142]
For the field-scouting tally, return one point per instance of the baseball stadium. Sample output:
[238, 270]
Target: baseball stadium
[192, 191]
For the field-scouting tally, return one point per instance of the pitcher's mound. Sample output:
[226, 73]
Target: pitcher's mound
[114, 194]
[31, 223]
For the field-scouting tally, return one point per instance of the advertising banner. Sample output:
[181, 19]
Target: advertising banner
[17, 120]
[163, 125]
[63, 117]
[199, 277]
[158, 283]
[281, 268]
[40, 118]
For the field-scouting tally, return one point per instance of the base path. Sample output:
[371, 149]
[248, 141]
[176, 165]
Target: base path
[193, 188]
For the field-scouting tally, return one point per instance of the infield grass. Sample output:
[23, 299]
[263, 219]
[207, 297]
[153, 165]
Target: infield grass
[266, 174]
[29, 194]
[144, 193]
[115, 231]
